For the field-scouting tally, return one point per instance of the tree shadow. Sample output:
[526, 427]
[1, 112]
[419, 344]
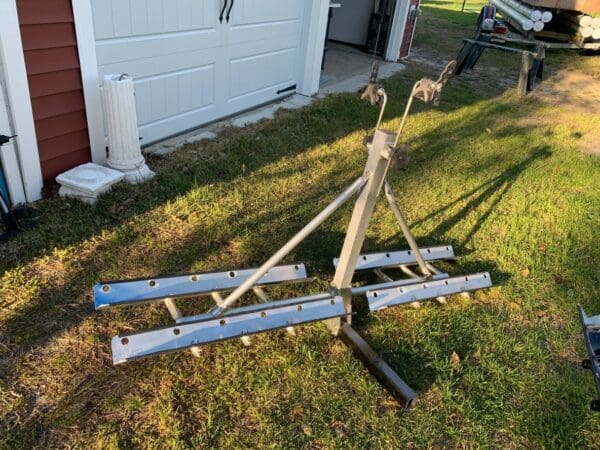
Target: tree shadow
[497, 187]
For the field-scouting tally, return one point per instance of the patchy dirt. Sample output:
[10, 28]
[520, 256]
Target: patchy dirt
[576, 91]
[578, 95]
[572, 89]
[484, 75]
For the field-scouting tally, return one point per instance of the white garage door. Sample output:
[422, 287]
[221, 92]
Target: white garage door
[189, 68]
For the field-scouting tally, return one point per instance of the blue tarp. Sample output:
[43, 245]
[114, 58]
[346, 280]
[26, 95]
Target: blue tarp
[3, 188]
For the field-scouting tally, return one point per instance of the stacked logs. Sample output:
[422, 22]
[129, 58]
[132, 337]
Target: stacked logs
[581, 25]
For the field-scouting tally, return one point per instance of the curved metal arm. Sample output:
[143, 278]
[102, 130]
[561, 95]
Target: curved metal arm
[384, 99]
[428, 91]
[223, 11]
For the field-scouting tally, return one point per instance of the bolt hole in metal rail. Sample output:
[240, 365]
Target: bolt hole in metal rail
[226, 321]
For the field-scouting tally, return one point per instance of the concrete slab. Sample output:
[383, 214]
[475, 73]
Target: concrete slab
[204, 136]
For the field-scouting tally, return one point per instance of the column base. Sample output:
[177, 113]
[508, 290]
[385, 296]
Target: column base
[137, 175]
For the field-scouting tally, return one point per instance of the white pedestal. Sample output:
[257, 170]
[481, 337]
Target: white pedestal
[88, 182]
[124, 151]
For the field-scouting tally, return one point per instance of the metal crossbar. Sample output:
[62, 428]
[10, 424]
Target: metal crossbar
[225, 321]
[384, 298]
[244, 321]
[397, 258]
[126, 293]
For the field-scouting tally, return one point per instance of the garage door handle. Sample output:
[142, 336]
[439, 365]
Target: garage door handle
[229, 10]
[223, 11]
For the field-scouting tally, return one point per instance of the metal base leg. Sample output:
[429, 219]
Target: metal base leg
[377, 366]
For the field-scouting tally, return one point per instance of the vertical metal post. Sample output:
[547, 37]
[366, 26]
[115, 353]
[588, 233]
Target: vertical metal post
[376, 171]
[526, 66]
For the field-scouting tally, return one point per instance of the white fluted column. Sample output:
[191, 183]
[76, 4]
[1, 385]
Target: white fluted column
[124, 151]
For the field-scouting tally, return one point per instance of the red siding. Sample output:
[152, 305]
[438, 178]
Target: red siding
[53, 72]
[409, 30]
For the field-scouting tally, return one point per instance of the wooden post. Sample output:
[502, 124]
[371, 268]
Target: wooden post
[526, 65]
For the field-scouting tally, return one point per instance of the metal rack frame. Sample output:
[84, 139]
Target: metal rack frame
[225, 321]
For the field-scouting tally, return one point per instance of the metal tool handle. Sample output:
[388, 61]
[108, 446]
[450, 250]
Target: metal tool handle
[428, 91]
[6, 139]
[223, 11]
[229, 10]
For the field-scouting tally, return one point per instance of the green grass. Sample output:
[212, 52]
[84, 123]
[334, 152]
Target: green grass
[518, 200]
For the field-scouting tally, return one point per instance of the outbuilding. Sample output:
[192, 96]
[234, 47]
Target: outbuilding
[193, 62]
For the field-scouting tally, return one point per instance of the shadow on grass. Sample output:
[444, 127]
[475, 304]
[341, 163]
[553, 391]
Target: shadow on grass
[497, 187]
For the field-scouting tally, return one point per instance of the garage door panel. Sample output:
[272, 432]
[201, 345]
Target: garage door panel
[263, 51]
[249, 12]
[266, 31]
[129, 18]
[188, 68]
[166, 96]
[262, 71]
[170, 126]
[143, 68]
[111, 52]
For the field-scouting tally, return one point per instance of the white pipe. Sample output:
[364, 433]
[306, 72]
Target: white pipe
[596, 34]
[538, 26]
[586, 32]
[547, 16]
[523, 22]
[527, 11]
[595, 22]
[583, 20]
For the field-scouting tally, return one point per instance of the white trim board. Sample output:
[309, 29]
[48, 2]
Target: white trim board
[398, 29]
[315, 28]
[19, 99]
[88, 61]
[8, 156]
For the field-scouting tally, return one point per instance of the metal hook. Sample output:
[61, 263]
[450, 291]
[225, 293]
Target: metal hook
[384, 98]
[428, 91]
